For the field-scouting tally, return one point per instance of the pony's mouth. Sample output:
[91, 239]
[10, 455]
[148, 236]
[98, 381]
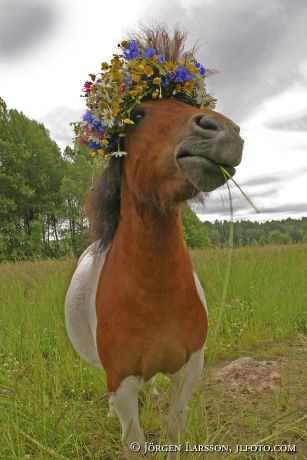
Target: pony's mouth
[205, 174]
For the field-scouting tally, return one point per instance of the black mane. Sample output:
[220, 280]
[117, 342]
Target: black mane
[103, 204]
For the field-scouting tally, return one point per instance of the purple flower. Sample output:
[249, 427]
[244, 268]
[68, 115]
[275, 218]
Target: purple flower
[166, 81]
[201, 68]
[99, 126]
[132, 51]
[183, 75]
[127, 80]
[94, 145]
[150, 53]
[161, 59]
[88, 117]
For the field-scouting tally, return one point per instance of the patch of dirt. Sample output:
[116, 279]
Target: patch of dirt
[252, 399]
[255, 375]
[249, 375]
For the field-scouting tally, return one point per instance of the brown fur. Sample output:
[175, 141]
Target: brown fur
[150, 317]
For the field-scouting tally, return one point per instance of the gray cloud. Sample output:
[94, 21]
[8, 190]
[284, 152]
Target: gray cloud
[23, 24]
[292, 208]
[293, 123]
[262, 180]
[219, 209]
[257, 47]
[58, 122]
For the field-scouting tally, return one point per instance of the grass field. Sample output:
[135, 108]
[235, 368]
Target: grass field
[54, 406]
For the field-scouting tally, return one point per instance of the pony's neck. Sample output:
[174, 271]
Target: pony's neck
[149, 242]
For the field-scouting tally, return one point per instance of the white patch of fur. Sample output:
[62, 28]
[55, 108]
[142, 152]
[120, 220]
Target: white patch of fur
[124, 402]
[200, 292]
[80, 304]
[183, 384]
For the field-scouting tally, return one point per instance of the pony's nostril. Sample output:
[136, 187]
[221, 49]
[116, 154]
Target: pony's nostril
[207, 123]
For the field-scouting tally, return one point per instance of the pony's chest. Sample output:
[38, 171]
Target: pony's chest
[142, 334]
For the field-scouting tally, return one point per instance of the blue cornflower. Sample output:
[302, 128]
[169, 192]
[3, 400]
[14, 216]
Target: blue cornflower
[166, 81]
[161, 59]
[132, 51]
[127, 80]
[94, 145]
[150, 53]
[88, 117]
[201, 68]
[99, 126]
[183, 75]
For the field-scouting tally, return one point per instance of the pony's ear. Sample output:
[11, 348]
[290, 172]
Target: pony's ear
[103, 204]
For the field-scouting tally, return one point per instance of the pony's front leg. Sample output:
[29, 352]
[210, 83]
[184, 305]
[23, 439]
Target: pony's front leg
[183, 383]
[125, 402]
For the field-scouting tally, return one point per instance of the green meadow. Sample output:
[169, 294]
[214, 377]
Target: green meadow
[54, 406]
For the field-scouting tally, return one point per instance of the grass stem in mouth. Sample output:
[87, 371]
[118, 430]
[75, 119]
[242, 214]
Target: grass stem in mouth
[226, 173]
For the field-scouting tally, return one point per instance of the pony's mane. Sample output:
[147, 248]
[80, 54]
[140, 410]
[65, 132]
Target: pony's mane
[103, 204]
[167, 43]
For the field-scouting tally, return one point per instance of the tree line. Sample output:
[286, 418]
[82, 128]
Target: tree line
[245, 233]
[42, 193]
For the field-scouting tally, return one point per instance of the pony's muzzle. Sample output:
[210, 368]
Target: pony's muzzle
[224, 144]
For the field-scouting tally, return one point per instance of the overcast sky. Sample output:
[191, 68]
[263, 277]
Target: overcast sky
[259, 47]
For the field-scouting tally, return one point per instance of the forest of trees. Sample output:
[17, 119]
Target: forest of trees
[42, 194]
[41, 191]
[247, 233]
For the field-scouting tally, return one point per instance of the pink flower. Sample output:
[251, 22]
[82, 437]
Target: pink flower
[87, 87]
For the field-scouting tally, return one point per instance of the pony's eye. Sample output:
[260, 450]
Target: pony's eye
[138, 116]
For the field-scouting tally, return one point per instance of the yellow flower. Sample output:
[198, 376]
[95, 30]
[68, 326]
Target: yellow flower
[137, 90]
[127, 121]
[136, 77]
[157, 81]
[116, 110]
[132, 65]
[191, 67]
[171, 66]
[189, 86]
[149, 70]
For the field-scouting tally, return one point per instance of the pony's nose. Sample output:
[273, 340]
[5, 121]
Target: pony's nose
[214, 123]
[222, 136]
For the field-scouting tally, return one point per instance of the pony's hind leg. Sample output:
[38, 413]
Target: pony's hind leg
[125, 403]
[183, 383]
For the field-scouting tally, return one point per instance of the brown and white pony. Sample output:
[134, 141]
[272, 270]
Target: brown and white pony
[135, 307]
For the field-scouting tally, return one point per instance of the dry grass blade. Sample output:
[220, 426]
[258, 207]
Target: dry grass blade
[226, 173]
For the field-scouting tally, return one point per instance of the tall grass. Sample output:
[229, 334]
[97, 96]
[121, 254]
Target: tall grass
[266, 301]
[54, 406]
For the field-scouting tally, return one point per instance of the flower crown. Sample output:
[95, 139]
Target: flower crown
[132, 76]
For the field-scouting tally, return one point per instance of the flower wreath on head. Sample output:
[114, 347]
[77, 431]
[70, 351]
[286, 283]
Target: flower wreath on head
[132, 76]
